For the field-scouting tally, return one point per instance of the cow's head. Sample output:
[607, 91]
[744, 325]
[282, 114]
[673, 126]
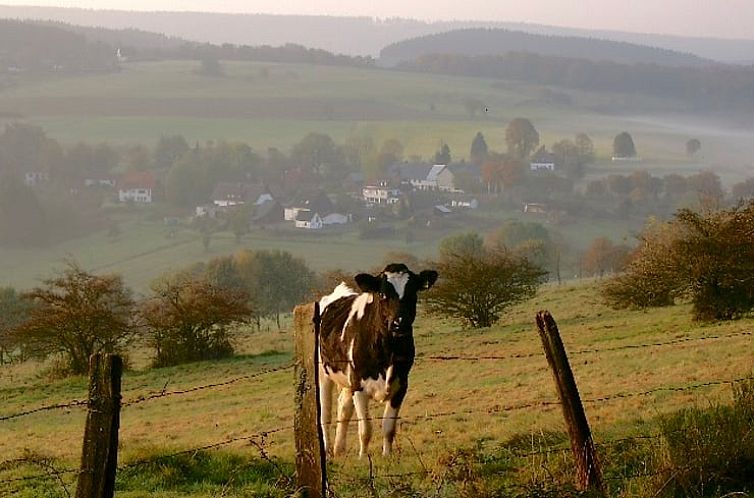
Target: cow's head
[398, 288]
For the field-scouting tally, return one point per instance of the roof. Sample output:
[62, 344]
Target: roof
[317, 202]
[137, 180]
[412, 171]
[306, 215]
[435, 172]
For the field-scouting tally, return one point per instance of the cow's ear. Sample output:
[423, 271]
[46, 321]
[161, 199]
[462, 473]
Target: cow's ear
[367, 282]
[427, 279]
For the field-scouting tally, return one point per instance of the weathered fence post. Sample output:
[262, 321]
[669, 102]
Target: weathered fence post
[587, 467]
[99, 457]
[311, 469]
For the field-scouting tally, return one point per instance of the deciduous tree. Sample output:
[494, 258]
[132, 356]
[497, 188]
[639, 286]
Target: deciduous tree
[693, 145]
[623, 145]
[77, 314]
[521, 137]
[190, 318]
[477, 288]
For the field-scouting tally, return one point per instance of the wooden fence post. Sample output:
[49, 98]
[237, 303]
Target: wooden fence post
[311, 467]
[587, 466]
[99, 457]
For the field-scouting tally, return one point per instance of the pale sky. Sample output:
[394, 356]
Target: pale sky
[706, 18]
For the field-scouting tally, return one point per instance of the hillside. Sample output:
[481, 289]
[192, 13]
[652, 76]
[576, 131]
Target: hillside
[347, 35]
[36, 49]
[479, 413]
[702, 89]
[482, 42]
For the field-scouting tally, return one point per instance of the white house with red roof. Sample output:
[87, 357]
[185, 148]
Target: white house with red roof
[136, 186]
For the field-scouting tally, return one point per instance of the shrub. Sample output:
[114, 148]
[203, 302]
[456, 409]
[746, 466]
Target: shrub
[478, 284]
[189, 319]
[708, 258]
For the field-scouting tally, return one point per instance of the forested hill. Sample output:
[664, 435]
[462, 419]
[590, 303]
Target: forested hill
[46, 47]
[35, 49]
[482, 41]
[719, 87]
[129, 37]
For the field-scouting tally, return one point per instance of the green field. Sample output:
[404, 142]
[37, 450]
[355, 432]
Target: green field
[452, 406]
[275, 105]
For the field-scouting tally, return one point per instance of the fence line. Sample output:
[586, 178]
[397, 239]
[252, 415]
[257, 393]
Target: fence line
[164, 394]
[583, 351]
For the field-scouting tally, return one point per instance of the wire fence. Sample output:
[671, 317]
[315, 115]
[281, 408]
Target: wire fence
[258, 439]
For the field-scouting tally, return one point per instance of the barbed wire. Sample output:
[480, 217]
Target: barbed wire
[57, 406]
[582, 351]
[210, 446]
[145, 397]
[164, 394]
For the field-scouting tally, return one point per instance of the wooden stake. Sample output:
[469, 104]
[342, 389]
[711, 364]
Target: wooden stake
[99, 457]
[587, 466]
[311, 466]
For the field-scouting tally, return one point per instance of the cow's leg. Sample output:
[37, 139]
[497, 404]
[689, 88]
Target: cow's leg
[345, 411]
[390, 418]
[325, 406]
[361, 402]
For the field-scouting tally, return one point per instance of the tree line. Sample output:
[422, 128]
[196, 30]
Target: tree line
[715, 87]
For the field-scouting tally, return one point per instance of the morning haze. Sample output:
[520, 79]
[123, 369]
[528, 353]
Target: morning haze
[176, 176]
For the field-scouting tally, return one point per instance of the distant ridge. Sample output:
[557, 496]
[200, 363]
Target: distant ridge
[490, 42]
[346, 35]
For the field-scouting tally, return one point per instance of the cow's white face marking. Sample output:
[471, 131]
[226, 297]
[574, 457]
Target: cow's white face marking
[398, 281]
[342, 290]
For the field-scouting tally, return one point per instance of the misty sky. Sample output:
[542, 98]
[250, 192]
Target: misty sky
[712, 18]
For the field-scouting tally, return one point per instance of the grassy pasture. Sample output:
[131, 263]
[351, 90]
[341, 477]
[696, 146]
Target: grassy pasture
[451, 405]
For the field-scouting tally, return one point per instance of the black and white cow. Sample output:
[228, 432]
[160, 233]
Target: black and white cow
[366, 349]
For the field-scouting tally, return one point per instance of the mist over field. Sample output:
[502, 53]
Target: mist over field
[173, 183]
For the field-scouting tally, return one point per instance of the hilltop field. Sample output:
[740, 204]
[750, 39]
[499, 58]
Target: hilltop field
[468, 424]
[275, 105]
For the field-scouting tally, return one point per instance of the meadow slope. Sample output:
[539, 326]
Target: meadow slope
[472, 404]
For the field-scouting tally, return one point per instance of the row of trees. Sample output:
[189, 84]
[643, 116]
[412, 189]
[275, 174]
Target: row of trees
[189, 315]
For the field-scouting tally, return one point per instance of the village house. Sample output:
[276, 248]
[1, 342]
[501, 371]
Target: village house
[381, 194]
[136, 186]
[32, 178]
[309, 220]
[435, 177]
[543, 161]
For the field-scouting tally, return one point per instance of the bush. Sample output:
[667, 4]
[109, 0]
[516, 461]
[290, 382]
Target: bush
[708, 258]
[479, 283]
[189, 319]
[711, 452]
